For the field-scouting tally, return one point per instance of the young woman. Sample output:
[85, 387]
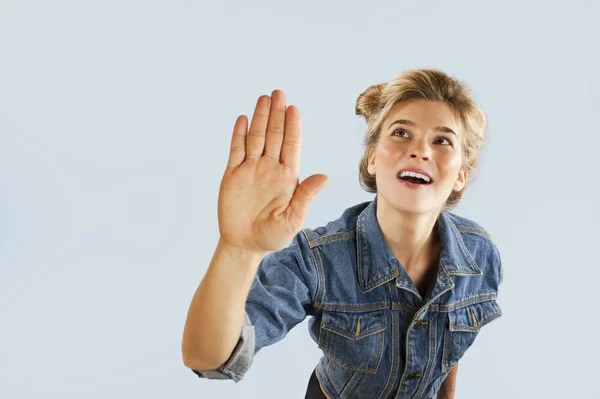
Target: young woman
[398, 287]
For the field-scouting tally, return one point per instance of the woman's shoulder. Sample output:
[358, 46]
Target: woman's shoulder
[478, 242]
[343, 226]
[468, 226]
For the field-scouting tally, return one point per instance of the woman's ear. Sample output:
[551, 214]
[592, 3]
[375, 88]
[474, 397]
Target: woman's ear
[371, 163]
[461, 180]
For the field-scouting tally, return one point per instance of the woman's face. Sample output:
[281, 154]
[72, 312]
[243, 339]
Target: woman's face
[417, 134]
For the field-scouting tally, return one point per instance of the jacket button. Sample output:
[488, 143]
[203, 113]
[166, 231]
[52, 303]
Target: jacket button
[412, 376]
[419, 324]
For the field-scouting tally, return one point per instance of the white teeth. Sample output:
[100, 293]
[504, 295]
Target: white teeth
[414, 174]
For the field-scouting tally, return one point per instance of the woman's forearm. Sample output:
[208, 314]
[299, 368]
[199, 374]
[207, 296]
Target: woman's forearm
[216, 314]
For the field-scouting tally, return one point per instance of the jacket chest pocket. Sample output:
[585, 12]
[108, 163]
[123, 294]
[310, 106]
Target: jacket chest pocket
[462, 328]
[355, 341]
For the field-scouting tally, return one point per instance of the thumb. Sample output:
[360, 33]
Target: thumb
[305, 193]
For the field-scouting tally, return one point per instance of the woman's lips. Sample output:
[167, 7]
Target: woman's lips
[413, 185]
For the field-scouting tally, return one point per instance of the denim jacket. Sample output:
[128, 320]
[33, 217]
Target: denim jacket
[380, 338]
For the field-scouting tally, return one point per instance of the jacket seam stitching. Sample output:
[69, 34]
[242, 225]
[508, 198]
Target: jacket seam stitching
[315, 298]
[463, 303]
[337, 236]
[474, 230]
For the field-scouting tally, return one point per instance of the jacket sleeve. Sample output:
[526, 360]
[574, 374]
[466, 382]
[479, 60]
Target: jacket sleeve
[280, 297]
[499, 271]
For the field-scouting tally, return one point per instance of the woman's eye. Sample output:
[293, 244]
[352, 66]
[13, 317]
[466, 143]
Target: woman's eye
[400, 131]
[444, 141]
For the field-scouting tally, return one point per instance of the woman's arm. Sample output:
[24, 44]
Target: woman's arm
[449, 385]
[260, 208]
[280, 296]
[216, 314]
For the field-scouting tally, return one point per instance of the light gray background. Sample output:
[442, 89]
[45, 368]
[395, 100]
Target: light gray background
[115, 122]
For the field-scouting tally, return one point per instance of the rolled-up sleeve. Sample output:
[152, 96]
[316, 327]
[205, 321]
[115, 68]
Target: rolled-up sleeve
[240, 360]
[281, 296]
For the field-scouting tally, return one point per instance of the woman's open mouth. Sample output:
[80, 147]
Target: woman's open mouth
[414, 180]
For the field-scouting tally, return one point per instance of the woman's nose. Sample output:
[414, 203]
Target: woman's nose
[421, 150]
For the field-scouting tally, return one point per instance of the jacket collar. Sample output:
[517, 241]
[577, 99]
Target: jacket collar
[455, 258]
[377, 264]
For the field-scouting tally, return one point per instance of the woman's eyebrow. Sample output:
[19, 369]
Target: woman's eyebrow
[442, 129]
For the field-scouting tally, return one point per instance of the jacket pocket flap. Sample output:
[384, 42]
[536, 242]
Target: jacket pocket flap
[354, 325]
[473, 317]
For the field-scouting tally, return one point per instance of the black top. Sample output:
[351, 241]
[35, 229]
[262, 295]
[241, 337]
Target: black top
[314, 390]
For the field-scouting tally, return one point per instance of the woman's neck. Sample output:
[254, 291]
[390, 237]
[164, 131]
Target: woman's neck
[411, 237]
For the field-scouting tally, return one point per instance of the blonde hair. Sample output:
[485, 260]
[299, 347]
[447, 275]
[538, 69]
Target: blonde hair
[428, 84]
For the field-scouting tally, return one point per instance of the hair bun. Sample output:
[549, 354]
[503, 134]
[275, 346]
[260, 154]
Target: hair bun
[369, 102]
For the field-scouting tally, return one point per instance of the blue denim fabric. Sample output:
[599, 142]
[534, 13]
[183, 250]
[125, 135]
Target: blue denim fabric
[380, 338]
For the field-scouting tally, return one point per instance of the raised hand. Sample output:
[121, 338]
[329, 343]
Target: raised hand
[261, 205]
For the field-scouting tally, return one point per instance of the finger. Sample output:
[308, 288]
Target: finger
[237, 151]
[275, 126]
[292, 140]
[255, 141]
[304, 195]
